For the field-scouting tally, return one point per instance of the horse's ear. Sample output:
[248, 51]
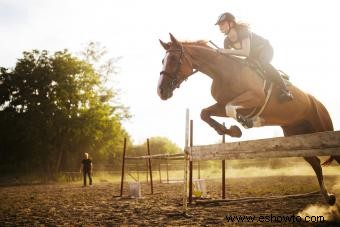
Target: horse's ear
[174, 40]
[166, 46]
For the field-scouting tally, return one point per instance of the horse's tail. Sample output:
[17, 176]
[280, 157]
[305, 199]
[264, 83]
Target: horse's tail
[323, 122]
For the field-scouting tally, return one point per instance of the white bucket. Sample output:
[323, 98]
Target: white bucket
[200, 189]
[135, 190]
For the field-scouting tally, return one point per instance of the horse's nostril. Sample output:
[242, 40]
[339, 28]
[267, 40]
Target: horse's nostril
[160, 91]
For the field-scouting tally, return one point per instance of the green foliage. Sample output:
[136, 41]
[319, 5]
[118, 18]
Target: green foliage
[53, 108]
[158, 145]
[162, 145]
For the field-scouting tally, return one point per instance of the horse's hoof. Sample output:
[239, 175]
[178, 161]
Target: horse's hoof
[235, 131]
[331, 199]
[246, 122]
[249, 123]
[221, 131]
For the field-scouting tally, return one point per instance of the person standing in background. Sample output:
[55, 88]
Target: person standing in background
[86, 168]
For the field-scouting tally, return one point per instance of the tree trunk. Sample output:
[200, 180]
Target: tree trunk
[59, 158]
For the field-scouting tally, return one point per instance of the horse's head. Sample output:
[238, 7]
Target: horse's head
[177, 67]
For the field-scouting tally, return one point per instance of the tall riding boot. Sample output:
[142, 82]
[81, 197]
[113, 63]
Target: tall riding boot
[273, 74]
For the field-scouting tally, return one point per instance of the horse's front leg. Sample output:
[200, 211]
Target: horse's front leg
[247, 100]
[218, 110]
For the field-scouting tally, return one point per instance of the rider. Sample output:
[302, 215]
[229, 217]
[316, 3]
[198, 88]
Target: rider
[241, 41]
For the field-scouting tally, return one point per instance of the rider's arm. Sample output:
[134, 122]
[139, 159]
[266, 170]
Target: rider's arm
[243, 51]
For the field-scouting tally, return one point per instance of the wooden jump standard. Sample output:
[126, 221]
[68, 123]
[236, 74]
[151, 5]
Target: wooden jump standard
[314, 144]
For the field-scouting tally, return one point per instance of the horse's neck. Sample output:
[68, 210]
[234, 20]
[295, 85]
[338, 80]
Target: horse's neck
[207, 61]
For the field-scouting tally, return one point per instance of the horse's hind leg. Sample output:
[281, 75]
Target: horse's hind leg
[330, 159]
[307, 127]
[337, 159]
[315, 163]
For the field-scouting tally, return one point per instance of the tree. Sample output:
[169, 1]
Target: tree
[158, 145]
[55, 107]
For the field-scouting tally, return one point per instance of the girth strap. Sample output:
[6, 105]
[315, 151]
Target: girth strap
[268, 88]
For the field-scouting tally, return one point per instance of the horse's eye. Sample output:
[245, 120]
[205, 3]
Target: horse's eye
[172, 58]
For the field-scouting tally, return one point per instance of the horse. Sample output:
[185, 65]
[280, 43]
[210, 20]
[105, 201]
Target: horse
[239, 93]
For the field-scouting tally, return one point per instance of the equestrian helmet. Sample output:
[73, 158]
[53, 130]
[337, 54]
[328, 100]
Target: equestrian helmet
[225, 17]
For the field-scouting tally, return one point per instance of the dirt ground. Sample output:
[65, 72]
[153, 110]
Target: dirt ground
[99, 205]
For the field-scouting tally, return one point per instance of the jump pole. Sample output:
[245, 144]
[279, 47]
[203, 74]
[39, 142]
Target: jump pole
[223, 170]
[123, 167]
[186, 158]
[190, 162]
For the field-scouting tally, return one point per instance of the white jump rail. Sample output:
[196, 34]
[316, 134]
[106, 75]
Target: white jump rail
[179, 156]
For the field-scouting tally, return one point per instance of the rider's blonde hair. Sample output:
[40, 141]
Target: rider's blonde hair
[241, 25]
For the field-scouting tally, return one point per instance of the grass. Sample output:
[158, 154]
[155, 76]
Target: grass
[208, 170]
[212, 173]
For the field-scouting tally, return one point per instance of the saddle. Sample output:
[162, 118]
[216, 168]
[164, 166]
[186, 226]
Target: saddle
[267, 84]
[258, 68]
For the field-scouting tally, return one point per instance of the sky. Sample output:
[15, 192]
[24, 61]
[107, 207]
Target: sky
[304, 34]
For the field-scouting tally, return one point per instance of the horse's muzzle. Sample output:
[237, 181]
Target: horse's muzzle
[164, 94]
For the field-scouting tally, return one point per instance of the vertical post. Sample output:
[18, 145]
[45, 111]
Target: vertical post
[147, 171]
[190, 163]
[186, 155]
[137, 167]
[223, 170]
[123, 167]
[198, 169]
[159, 171]
[167, 171]
[150, 168]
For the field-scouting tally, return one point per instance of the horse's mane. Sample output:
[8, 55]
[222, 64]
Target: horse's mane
[202, 43]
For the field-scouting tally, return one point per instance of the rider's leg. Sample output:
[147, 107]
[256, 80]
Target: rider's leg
[265, 56]
[274, 76]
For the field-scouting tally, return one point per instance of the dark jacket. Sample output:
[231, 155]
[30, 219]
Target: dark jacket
[260, 48]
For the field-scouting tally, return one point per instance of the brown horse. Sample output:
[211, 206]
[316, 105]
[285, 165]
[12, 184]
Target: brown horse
[239, 93]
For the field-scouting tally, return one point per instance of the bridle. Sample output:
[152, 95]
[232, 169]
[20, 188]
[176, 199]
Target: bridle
[174, 81]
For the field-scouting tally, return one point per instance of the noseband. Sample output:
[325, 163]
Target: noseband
[174, 81]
